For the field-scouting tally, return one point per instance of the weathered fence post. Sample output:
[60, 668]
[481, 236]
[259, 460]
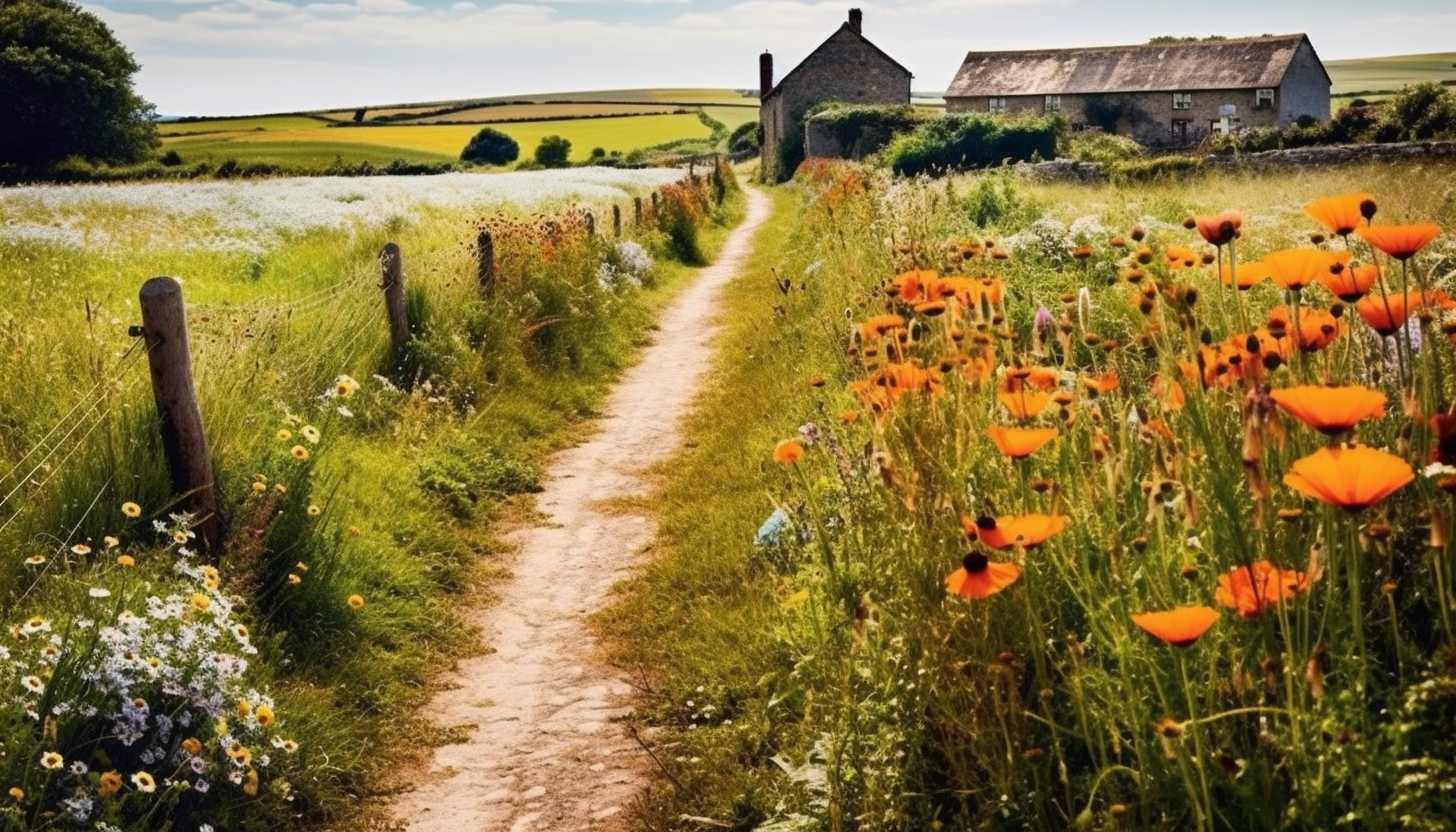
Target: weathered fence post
[391, 266]
[616, 220]
[654, 206]
[485, 251]
[591, 224]
[636, 212]
[164, 325]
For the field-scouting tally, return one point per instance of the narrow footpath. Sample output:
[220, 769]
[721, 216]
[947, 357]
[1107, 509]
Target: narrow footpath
[546, 752]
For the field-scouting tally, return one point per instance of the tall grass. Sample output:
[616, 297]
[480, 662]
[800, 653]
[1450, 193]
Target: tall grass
[880, 679]
[357, 486]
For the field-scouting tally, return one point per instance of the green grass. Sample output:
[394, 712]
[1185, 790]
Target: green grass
[297, 155]
[235, 125]
[1388, 74]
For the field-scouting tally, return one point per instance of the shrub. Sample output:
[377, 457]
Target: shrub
[553, 152]
[1161, 169]
[970, 141]
[867, 126]
[745, 137]
[1102, 148]
[1421, 112]
[491, 147]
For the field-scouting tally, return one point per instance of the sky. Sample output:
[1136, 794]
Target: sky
[240, 57]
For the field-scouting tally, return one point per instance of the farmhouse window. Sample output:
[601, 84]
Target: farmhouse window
[1182, 100]
[1264, 98]
[1181, 134]
[996, 104]
[1054, 104]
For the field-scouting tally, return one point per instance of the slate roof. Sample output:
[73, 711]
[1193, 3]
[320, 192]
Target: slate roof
[844, 28]
[1243, 63]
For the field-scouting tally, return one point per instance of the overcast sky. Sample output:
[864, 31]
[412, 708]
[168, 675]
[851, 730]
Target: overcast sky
[234, 57]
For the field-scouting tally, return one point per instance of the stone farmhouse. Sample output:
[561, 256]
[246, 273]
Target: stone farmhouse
[846, 67]
[1166, 94]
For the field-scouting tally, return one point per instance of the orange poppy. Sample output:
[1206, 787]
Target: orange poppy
[1019, 443]
[1179, 627]
[1082, 252]
[1219, 229]
[1252, 589]
[1351, 283]
[1296, 268]
[1318, 328]
[1249, 274]
[1029, 530]
[913, 286]
[1180, 257]
[1330, 410]
[971, 292]
[1387, 313]
[978, 577]
[788, 452]
[1169, 392]
[1351, 478]
[1400, 241]
[1101, 383]
[1040, 378]
[1342, 214]
[881, 325]
[1024, 403]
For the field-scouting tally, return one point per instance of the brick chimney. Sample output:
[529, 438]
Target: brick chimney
[765, 74]
[856, 20]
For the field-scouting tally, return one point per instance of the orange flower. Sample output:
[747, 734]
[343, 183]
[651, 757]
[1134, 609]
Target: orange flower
[1101, 383]
[913, 286]
[1041, 378]
[1342, 214]
[881, 325]
[1169, 392]
[1351, 283]
[1400, 241]
[1219, 229]
[1029, 530]
[1254, 588]
[787, 452]
[1019, 443]
[1179, 627]
[1023, 403]
[978, 577]
[1296, 268]
[1180, 257]
[1318, 328]
[1351, 478]
[1249, 275]
[1387, 313]
[1331, 410]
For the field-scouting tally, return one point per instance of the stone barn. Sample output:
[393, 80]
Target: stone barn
[1161, 94]
[846, 67]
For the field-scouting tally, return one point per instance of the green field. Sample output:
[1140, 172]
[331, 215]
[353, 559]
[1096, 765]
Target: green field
[239, 125]
[280, 138]
[1376, 78]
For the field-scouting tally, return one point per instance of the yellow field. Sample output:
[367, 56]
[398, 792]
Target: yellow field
[553, 110]
[624, 134]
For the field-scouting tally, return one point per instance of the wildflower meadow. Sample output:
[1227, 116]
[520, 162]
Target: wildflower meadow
[271, 680]
[1089, 507]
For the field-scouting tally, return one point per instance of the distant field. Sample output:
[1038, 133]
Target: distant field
[732, 116]
[239, 125]
[547, 111]
[1375, 78]
[279, 136]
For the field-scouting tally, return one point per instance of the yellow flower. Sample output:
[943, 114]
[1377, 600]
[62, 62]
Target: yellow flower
[35, 560]
[110, 783]
[284, 434]
[260, 486]
[301, 566]
[280, 488]
[192, 746]
[131, 509]
[17, 792]
[265, 715]
[245, 707]
[299, 452]
[314, 510]
[143, 782]
[240, 753]
[125, 560]
[311, 433]
[250, 786]
[81, 549]
[294, 580]
[210, 574]
[52, 760]
[200, 601]
[356, 601]
[111, 542]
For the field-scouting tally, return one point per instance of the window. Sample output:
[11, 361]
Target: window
[1182, 100]
[1054, 104]
[996, 104]
[1264, 98]
[1181, 134]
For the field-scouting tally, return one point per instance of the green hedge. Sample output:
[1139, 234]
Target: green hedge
[978, 140]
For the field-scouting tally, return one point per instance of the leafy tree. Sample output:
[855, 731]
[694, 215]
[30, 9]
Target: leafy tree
[491, 147]
[745, 137]
[68, 88]
[552, 152]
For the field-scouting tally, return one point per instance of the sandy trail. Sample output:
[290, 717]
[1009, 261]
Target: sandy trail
[545, 753]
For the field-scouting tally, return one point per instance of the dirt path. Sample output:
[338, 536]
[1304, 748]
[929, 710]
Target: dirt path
[545, 753]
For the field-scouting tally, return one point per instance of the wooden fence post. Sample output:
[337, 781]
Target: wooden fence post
[391, 266]
[636, 212]
[485, 251]
[616, 220]
[591, 224]
[164, 325]
[654, 206]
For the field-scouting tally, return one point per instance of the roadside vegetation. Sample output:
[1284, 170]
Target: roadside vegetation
[1007, 512]
[274, 682]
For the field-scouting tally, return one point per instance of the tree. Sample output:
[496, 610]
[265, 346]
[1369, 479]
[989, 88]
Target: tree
[491, 147]
[68, 88]
[552, 152]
